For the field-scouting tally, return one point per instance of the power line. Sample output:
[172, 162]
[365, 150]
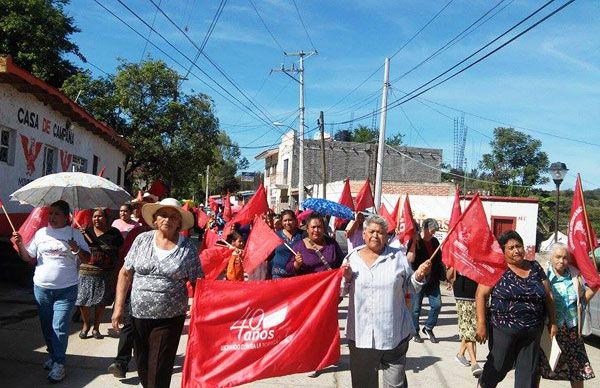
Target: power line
[149, 34]
[418, 93]
[393, 55]
[265, 25]
[243, 107]
[303, 25]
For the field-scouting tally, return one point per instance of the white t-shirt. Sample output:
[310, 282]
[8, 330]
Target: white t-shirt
[56, 266]
[162, 253]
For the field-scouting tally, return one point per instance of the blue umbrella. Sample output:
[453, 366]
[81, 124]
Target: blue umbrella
[328, 208]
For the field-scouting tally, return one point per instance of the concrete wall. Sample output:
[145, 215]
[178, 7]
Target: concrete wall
[31, 121]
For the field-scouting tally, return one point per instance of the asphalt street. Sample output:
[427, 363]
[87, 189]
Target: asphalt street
[23, 352]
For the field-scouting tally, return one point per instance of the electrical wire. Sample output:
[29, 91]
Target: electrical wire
[265, 25]
[149, 34]
[303, 25]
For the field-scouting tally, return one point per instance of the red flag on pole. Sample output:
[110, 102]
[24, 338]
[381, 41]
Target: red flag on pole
[37, 219]
[257, 205]
[396, 212]
[262, 241]
[454, 216]
[581, 238]
[202, 218]
[246, 331]
[83, 218]
[210, 239]
[186, 207]
[346, 200]
[406, 223]
[158, 188]
[214, 260]
[227, 213]
[472, 248]
[364, 198]
[385, 214]
[213, 205]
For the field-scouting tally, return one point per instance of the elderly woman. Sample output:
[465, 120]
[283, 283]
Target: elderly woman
[570, 292]
[56, 251]
[96, 276]
[315, 253]
[290, 235]
[519, 303]
[160, 262]
[423, 246]
[379, 325]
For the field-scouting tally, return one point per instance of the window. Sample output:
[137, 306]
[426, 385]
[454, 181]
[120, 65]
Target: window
[285, 170]
[78, 164]
[118, 176]
[95, 166]
[49, 160]
[4, 145]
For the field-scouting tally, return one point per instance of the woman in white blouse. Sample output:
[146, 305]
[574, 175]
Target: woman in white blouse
[379, 326]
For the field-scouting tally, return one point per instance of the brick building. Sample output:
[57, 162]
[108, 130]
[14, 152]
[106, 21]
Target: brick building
[406, 169]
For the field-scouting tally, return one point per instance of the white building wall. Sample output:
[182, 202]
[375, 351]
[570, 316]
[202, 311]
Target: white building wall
[37, 125]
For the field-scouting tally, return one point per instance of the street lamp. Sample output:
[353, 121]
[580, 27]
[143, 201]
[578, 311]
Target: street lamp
[300, 160]
[558, 171]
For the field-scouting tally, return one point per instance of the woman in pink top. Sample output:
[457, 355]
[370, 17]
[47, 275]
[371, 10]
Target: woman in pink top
[124, 223]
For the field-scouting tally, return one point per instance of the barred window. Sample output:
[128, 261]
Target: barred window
[4, 145]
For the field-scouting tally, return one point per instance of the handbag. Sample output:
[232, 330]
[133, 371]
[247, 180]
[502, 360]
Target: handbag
[586, 320]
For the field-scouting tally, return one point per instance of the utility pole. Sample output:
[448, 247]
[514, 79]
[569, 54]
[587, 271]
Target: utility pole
[381, 144]
[323, 165]
[300, 80]
[206, 200]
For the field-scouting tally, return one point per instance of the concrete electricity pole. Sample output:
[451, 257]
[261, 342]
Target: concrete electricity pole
[206, 200]
[381, 144]
[300, 80]
[323, 165]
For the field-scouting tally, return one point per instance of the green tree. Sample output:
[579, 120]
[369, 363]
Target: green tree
[516, 160]
[364, 134]
[36, 34]
[174, 135]
[395, 140]
[343, 135]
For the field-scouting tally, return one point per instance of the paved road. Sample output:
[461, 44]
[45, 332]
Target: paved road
[23, 352]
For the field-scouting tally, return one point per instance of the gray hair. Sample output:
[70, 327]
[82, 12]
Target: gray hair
[556, 246]
[376, 219]
[430, 224]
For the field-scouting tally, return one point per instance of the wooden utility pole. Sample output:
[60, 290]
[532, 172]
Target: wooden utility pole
[323, 164]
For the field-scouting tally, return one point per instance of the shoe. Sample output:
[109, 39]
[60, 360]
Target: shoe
[83, 334]
[462, 360]
[476, 370]
[117, 369]
[96, 334]
[57, 373]
[430, 335]
[48, 364]
[417, 338]
[313, 374]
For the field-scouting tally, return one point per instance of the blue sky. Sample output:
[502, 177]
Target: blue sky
[544, 83]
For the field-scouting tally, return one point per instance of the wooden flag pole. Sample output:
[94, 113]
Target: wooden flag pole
[290, 248]
[8, 217]
[587, 224]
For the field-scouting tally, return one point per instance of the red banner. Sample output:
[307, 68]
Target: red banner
[262, 241]
[406, 223]
[246, 331]
[472, 248]
[582, 239]
[364, 198]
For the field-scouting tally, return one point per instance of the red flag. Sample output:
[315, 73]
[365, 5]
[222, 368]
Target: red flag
[364, 198]
[202, 218]
[472, 248]
[210, 239]
[214, 260]
[227, 213]
[346, 200]
[385, 214]
[37, 219]
[257, 205]
[396, 212]
[213, 205]
[406, 223]
[186, 207]
[83, 218]
[246, 331]
[262, 241]
[158, 188]
[1, 203]
[581, 240]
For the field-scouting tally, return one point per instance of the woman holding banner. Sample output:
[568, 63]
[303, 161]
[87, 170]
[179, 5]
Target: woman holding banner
[520, 300]
[160, 262]
[570, 292]
[379, 325]
[56, 251]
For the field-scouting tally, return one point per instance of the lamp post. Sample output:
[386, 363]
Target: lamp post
[300, 160]
[558, 171]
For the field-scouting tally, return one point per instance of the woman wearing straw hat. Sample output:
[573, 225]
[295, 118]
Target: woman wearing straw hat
[160, 262]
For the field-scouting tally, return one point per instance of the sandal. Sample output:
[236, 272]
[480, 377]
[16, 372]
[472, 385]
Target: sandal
[83, 334]
[96, 334]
